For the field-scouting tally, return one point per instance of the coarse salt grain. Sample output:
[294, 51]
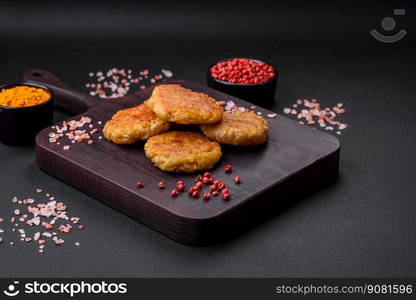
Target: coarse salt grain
[115, 82]
[167, 73]
[35, 221]
[74, 220]
[74, 131]
[36, 236]
[52, 209]
[312, 113]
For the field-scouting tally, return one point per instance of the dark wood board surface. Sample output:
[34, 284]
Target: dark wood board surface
[296, 159]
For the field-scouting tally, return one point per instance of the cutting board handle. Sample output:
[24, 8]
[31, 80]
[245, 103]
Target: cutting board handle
[67, 99]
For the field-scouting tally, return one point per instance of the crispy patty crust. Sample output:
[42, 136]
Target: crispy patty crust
[183, 106]
[179, 151]
[132, 124]
[238, 128]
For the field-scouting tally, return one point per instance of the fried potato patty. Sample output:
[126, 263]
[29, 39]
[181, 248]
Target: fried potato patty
[179, 151]
[183, 106]
[238, 128]
[132, 124]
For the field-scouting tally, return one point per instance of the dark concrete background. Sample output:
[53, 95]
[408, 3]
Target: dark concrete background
[362, 225]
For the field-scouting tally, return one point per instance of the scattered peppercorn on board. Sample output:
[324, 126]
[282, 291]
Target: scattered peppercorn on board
[295, 160]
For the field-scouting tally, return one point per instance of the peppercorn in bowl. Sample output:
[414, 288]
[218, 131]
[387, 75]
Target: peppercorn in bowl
[25, 109]
[246, 78]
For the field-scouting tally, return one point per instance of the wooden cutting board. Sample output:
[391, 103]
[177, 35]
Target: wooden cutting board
[296, 160]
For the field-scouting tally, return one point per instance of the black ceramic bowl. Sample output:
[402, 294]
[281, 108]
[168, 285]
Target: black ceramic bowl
[258, 93]
[19, 125]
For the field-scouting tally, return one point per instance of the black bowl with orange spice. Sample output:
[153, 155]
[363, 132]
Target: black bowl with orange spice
[25, 109]
[246, 78]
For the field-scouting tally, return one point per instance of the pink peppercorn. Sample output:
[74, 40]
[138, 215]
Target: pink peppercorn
[139, 185]
[192, 189]
[225, 191]
[180, 187]
[242, 70]
[228, 168]
[226, 196]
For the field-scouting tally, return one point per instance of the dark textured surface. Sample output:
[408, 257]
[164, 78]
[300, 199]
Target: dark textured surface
[292, 158]
[363, 225]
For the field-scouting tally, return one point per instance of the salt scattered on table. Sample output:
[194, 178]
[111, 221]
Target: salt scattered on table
[312, 113]
[117, 82]
[43, 215]
[74, 131]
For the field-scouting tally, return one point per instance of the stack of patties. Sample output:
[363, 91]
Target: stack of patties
[180, 151]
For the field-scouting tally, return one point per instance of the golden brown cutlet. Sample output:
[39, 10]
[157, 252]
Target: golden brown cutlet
[238, 128]
[180, 151]
[184, 106]
[132, 124]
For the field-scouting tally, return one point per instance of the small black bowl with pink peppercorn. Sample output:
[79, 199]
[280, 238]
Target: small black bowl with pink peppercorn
[246, 78]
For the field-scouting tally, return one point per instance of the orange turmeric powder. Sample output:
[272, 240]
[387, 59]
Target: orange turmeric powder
[21, 96]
